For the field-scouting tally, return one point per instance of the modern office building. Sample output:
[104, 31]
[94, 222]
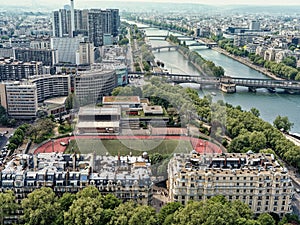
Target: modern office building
[11, 69]
[96, 120]
[95, 27]
[47, 56]
[102, 22]
[254, 25]
[91, 86]
[256, 179]
[127, 177]
[85, 54]
[50, 86]
[19, 99]
[66, 48]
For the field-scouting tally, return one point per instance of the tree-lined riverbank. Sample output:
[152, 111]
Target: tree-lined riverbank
[248, 63]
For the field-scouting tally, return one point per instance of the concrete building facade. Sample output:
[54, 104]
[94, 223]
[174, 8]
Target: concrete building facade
[91, 86]
[17, 70]
[256, 179]
[19, 99]
[66, 48]
[47, 56]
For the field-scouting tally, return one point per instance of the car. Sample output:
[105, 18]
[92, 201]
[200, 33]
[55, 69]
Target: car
[297, 190]
[6, 132]
[63, 143]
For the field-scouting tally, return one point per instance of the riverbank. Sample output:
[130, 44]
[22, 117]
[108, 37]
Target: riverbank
[246, 62]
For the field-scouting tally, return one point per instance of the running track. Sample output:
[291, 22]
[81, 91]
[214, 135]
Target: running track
[199, 145]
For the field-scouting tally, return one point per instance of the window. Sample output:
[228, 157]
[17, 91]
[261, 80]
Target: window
[230, 178]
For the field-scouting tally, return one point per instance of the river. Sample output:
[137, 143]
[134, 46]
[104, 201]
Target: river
[269, 104]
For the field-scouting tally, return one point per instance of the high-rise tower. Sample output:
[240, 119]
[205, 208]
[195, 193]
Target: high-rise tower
[72, 18]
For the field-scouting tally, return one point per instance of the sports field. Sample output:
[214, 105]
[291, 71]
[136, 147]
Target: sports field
[125, 146]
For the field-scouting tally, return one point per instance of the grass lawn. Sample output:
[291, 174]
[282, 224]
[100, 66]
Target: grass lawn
[124, 147]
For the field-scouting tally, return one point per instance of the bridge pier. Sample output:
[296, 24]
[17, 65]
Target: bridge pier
[228, 88]
[252, 89]
[272, 90]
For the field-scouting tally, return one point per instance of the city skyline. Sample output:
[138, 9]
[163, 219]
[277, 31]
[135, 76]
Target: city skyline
[82, 3]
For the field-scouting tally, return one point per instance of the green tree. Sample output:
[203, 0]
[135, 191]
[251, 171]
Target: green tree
[167, 211]
[257, 141]
[216, 210]
[143, 215]
[7, 204]
[290, 61]
[283, 123]
[255, 112]
[110, 201]
[65, 203]
[84, 211]
[266, 219]
[123, 213]
[40, 207]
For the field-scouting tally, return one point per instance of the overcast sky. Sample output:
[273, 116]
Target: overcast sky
[214, 2]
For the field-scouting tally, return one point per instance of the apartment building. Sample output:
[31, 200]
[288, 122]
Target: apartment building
[49, 86]
[16, 70]
[127, 177]
[256, 179]
[19, 99]
[47, 56]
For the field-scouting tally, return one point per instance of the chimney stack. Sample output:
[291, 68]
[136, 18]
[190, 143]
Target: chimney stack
[72, 18]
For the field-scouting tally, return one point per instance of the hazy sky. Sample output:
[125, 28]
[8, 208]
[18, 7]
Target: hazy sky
[214, 2]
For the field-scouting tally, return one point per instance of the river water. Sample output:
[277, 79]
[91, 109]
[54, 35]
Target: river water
[270, 105]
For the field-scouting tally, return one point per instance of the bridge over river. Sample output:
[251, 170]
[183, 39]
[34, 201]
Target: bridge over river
[228, 84]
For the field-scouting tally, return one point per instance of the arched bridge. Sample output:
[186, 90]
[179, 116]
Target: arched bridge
[228, 84]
